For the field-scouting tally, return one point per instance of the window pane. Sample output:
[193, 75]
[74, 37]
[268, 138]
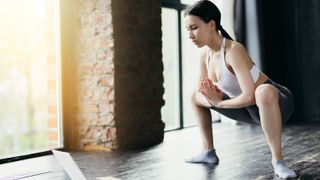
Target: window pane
[170, 111]
[29, 77]
[188, 2]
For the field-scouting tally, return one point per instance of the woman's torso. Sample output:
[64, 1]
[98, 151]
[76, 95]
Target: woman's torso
[220, 72]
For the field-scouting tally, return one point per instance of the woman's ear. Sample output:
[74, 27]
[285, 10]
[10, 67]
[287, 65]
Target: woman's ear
[212, 25]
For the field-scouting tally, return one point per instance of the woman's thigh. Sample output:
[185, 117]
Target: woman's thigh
[286, 104]
[200, 99]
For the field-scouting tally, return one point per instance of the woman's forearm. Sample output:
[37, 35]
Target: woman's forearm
[240, 101]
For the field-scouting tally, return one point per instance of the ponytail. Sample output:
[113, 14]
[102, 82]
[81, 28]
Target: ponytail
[224, 32]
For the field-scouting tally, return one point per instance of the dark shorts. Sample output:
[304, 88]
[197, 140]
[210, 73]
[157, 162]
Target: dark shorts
[251, 115]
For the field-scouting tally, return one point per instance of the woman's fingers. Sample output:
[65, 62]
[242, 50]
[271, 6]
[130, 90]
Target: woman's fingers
[217, 89]
[202, 89]
[209, 88]
[211, 84]
[207, 83]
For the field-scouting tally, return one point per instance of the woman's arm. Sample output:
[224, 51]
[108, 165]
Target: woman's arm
[202, 66]
[238, 58]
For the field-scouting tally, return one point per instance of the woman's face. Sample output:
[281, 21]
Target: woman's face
[197, 30]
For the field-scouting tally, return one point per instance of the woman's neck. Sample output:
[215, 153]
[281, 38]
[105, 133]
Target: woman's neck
[215, 43]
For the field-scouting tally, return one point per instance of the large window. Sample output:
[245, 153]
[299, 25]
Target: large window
[29, 77]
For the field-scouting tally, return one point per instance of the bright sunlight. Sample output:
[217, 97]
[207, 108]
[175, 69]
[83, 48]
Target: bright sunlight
[29, 76]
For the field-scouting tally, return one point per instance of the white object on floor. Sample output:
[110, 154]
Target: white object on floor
[107, 178]
[68, 164]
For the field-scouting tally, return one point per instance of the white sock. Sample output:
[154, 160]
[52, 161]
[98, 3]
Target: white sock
[209, 156]
[282, 170]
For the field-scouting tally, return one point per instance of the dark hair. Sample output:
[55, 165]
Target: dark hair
[207, 11]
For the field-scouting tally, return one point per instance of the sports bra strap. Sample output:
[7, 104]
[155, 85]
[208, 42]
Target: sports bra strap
[221, 52]
[222, 61]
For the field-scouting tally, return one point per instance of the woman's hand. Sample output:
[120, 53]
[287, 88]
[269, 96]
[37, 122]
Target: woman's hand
[211, 92]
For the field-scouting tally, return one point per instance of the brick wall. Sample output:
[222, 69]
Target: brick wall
[95, 75]
[113, 96]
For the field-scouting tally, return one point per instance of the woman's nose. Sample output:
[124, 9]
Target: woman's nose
[191, 35]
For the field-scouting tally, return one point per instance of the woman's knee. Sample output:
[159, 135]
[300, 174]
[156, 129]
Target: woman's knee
[266, 94]
[198, 99]
[193, 97]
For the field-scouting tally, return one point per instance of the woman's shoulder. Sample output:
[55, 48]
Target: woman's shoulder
[234, 46]
[235, 49]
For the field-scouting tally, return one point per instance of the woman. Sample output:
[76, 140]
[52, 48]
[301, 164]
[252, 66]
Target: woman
[231, 85]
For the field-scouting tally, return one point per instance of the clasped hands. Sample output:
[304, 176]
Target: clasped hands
[211, 91]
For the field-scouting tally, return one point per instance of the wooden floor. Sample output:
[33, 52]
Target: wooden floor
[242, 149]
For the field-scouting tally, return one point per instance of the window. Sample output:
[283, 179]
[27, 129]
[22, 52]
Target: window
[170, 59]
[30, 114]
[188, 1]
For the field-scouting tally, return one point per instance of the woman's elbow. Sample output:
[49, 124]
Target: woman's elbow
[250, 99]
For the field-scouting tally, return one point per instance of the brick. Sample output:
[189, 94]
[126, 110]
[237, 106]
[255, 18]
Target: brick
[53, 135]
[88, 116]
[103, 5]
[88, 31]
[53, 144]
[104, 31]
[53, 123]
[51, 59]
[111, 134]
[87, 94]
[88, 20]
[105, 55]
[86, 69]
[52, 109]
[108, 94]
[102, 69]
[89, 109]
[107, 107]
[97, 148]
[87, 6]
[104, 18]
[52, 84]
[87, 57]
[106, 81]
[106, 119]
